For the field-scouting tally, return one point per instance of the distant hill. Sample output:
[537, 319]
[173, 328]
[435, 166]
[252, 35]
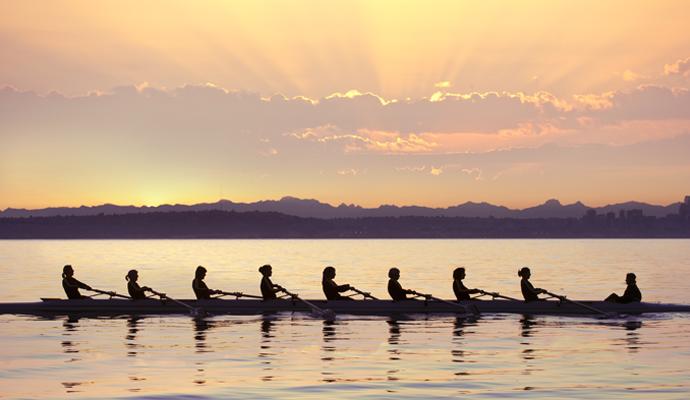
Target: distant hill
[310, 208]
[256, 224]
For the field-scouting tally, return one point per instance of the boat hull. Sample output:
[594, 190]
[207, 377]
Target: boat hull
[364, 307]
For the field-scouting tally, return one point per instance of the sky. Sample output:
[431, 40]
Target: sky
[365, 102]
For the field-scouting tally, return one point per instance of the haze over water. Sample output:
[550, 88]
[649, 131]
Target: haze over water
[297, 356]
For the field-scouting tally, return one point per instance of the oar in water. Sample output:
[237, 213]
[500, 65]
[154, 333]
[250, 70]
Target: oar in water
[326, 313]
[195, 312]
[240, 294]
[462, 307]
[110, 293]
[583, 305]
[366, 295]
[496, 294]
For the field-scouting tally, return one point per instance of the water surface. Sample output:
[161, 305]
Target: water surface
[296, 356]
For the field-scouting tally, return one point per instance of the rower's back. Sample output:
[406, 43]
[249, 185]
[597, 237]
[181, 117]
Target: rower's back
[267, 290]
[200, 289]
[395, 290]
[529, 293]
[461, 292]
[135, 291]
[71, 287]
[330, 289]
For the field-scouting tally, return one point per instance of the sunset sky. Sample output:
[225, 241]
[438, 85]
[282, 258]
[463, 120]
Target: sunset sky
[371, 102]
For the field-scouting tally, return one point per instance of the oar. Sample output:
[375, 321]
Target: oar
[109, 293]
[195, 312]
[324, 313]
[428, 296]
[563, 298]
[240, 294]
[496, 294]
[366, 295]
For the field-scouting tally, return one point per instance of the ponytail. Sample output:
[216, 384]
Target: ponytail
[130, 274]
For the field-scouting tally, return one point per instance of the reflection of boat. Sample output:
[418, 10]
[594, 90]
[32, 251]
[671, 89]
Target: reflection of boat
[364, 307]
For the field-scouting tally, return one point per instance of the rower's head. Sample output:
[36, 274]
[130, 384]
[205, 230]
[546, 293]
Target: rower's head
[459, 273]
[200, 272]
[630, 278]
[67, 271]
[132, 275]
[524, 272]
[329, 272]
[394, 273]
[266, 270]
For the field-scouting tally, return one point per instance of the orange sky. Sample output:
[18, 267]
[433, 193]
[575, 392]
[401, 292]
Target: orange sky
[435, 103]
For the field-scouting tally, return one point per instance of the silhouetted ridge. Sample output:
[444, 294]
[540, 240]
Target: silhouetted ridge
[313, 208]
[257, 224]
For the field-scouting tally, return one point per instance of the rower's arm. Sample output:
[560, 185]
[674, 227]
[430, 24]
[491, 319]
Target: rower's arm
[78, 284]
[343, 288]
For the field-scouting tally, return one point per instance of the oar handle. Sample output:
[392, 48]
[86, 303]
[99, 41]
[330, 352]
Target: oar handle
[363, 293]
[159, 294]
[109, 293]
[240, 294]
[416, 293]
[496, 294]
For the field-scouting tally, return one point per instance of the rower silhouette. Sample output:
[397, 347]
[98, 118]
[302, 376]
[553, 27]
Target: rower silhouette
[529, 292]
[72, 285]
[202, 291]
[136, 292]
[462, 293]
[395, 290]
[632, 293]
[268, 288]
[330, 288]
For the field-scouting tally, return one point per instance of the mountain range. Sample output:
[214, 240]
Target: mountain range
[310, 208]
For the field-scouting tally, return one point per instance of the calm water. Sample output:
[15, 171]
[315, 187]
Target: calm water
[296, 356]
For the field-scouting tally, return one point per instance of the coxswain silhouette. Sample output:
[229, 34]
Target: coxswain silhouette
[632, 293]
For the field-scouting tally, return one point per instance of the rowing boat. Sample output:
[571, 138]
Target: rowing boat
[109, 307]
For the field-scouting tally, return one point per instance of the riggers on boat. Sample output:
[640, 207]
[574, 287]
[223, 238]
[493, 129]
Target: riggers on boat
[109, 307]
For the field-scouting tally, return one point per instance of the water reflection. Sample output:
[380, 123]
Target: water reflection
[201, 327]
[393, 349]
[328, 348]
[70, 324]
[528, 353]
[459, 326]
[265, 353]
[131, 337]
[631, 341]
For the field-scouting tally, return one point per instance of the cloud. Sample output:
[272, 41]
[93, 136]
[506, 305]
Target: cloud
[630, 76]
[349, 172]
[680, 67]
[436, 171]
[230, 122]
[442, 84]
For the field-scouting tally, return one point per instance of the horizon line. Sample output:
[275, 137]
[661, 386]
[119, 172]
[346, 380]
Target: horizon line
[285, 197]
